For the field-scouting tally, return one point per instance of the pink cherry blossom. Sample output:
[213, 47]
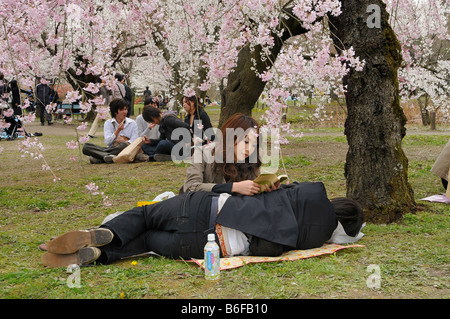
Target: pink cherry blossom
[72, 145]
[73, 96]
[83, 126]
[189, 92]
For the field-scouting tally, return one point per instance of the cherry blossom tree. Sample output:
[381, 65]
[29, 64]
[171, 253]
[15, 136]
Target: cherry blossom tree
[422, 29]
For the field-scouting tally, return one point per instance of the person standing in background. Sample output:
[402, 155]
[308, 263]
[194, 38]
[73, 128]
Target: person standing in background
[106, 94]
[42, 95]
[16, 100]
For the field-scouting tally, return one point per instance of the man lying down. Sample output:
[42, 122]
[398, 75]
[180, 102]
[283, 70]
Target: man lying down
[296, 216]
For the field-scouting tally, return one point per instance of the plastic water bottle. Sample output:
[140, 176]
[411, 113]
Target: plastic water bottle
[212, 259]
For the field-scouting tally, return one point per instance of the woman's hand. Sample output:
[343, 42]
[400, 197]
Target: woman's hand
[247, 187]
[273, 187]
[146, 139]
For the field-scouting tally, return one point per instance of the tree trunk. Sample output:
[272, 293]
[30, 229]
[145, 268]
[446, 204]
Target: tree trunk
[433, 120]
[243, 86]
[376, 166]
[423, 109]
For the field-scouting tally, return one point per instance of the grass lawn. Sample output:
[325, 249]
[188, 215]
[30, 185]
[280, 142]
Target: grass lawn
[412, 255]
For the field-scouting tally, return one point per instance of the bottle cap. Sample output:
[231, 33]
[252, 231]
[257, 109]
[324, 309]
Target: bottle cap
[211, 237]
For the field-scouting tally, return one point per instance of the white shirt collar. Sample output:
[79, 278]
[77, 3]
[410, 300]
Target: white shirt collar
[339, 235]
[115, 121]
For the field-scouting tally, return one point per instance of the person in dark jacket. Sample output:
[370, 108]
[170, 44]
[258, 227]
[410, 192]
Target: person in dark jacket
[168, 123]
[43, 98]
[16, 100]
[296, 216]
[4, 93]
[195, 116]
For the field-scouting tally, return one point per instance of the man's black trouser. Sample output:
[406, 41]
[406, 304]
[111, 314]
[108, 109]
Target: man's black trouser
[99, 152]
[43, 114]
[177, 227]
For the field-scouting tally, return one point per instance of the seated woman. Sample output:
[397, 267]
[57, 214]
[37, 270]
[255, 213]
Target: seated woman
[223, 168]
[195, 112]
[296, 216]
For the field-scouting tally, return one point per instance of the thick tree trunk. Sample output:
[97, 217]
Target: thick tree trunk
[376, 166]
[243, 86]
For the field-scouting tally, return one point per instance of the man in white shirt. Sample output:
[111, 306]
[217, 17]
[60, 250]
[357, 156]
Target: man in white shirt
[119, 132]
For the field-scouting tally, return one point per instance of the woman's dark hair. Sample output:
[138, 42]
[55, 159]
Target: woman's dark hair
[13, 84]
[236, 172]
[198, 106]
[150, 113]
[151, 100]
[349, 213]
[117, 104]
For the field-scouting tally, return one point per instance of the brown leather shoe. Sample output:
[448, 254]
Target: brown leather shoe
[85, 255]
[73, 241]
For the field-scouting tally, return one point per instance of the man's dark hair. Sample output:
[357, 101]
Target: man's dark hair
[117, 104]
[349, 213]
[118, 76]
[151, 113]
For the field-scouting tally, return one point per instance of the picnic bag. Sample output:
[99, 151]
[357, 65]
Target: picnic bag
[128, 154]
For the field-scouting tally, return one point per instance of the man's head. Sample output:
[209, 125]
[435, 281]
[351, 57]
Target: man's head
[119, 77]
[349, 213]
[151, 115]
[117, 106]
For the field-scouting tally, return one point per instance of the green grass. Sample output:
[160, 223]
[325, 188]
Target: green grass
[412, 254]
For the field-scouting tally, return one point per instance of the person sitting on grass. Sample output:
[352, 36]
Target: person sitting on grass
[211, 171]
[119, 132]
[296, 216]
[194, 113]
[168, 123]
[146, 131]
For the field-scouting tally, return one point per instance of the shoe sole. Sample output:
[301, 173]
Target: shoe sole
[109, 159]
[73, 241]
[83, 256]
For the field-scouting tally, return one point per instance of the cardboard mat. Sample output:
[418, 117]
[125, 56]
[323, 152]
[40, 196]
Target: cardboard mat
[440, 198]
[239, 261]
